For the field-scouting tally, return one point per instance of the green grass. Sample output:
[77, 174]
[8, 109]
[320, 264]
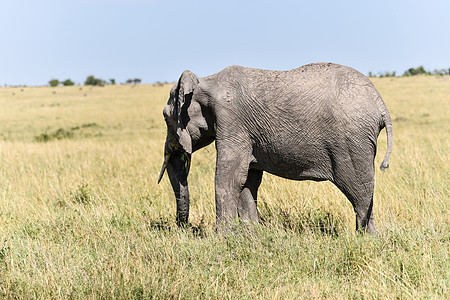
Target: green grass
[81, 215]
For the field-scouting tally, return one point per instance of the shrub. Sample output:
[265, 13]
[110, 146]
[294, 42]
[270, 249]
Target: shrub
[53, 82]
[133, 81]
[387, 74]
[59, 134]
[416, 71]
[68, 82]
[91, 80]
[441, 72]
[82, 195]
[86, 130]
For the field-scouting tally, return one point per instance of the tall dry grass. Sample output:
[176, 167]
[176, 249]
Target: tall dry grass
[81, 215]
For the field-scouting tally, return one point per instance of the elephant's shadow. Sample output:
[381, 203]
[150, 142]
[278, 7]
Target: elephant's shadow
[163, 225]
[313, 220]
[317, 220]
[159, 225]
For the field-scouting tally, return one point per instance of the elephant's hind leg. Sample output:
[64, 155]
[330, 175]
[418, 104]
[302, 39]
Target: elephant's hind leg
[247, 210]
[355, 178]
[361, 197]
[363, 206]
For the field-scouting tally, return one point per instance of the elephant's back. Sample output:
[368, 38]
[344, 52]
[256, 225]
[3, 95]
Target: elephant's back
[315, 107]
[315, 97]
[340, 95]
[319, 89]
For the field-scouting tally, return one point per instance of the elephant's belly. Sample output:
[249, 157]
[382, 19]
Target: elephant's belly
[312, 165]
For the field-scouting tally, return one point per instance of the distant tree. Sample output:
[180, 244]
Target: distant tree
[416, 71]
[440, 72]
[91, 80]
[112, 81]
[133, 81]
[387, 74]
[54, 82]
[68, 82]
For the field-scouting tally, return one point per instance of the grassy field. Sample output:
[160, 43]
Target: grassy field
[81, 215]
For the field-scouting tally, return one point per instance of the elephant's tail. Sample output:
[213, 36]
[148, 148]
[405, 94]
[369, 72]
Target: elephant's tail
[388, 125]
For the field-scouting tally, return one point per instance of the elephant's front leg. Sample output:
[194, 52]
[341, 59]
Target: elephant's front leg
[247, 210]
[231, 175]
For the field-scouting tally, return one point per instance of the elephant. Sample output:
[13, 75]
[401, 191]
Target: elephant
[317, 122]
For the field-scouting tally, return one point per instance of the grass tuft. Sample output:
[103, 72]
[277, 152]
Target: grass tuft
[82, 195]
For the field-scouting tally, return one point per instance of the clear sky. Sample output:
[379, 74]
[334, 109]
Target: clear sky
[155, 40]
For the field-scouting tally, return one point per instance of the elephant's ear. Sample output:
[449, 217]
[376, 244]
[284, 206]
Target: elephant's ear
[186, 85]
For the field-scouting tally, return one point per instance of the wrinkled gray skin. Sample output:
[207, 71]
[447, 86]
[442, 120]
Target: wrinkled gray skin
[318, 122]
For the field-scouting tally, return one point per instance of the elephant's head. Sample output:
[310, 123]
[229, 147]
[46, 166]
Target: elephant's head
[189, 127]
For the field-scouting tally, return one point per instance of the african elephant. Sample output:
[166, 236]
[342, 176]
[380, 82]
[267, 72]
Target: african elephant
[317, 122]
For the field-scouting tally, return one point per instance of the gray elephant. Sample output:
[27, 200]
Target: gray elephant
[317, 122]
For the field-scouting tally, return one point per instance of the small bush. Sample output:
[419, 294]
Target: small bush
[387, 74]
[416, 71]
[67, 82]
[91, 80]
[134, 81]
[53, 82]
[42, 138]
[62, 133]
[82, 195]
[59, 134]
[87, 125]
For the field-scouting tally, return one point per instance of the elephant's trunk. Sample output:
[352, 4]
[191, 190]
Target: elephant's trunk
[178, 169]
[183, 206]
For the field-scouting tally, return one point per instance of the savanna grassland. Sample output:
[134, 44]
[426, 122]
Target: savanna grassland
[81, 214]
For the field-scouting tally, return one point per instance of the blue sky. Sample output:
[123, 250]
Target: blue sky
[156, 40]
